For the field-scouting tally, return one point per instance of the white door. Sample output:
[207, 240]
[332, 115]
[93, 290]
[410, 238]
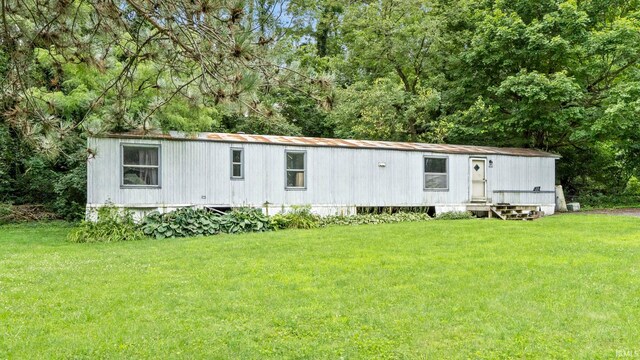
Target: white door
[478, 180]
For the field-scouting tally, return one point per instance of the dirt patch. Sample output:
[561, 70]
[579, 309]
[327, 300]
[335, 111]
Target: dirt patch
[624, 212]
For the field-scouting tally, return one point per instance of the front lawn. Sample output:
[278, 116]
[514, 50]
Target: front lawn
[565, 286]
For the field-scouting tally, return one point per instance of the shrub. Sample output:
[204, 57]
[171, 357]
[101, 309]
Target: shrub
[112, 225]
[198, 222]
[455, 215]
[71, 193]
[606, 201]
[384, 218]
[245, 220]
[5, 213]
[36, 184]
[299, 217]
[181, 223]
[633, 186]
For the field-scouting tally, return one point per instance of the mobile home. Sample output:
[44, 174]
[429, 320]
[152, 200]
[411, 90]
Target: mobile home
[165, 171]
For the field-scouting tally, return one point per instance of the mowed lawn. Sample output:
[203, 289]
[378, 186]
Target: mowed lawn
[564, 287]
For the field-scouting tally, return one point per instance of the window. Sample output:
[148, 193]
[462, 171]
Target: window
[140, 165]
[296, 169]
[435, 173]
[237, 164]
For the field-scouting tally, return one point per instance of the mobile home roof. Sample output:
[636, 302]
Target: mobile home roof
[326, 142]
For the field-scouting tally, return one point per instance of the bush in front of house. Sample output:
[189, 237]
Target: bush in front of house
[455, 215]
[243, 220]
[112, 225]
[180, 223]
[383, 218]
[116, 225]
[299, 217]
[187, 222]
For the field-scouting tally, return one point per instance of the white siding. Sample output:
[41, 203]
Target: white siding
[198, 173]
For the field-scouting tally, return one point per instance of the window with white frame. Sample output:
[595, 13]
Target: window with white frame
[436, 173]
[237, 164]
[296, 169]
[140, 165]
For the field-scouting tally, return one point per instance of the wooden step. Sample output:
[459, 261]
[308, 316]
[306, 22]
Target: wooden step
[516, 212]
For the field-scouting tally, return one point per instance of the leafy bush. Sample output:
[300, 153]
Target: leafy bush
[606, 201]
[35, 185]
[299, 217]
[633, 186]
[5, 213]
[455, 215]
[384, 218]
[112, 225]
[71, 192]
[197, 222]
[245, 220]
[181, 223]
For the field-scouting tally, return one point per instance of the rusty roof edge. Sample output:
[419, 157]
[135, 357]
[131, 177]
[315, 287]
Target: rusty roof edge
[331, 142]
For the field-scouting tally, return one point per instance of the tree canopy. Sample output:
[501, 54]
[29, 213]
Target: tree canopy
[562, 76]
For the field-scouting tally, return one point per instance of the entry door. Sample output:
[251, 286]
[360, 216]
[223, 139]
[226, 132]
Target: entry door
[478, 180]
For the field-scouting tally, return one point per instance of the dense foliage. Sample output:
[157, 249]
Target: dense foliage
[181, 223]
[383, 218]
[299, 217]
[187, 222]
[455, 215]
[111, 225]
[557, 75]
[589, 201]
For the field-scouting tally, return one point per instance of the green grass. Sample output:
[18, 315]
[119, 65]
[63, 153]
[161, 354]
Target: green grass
[564, 286]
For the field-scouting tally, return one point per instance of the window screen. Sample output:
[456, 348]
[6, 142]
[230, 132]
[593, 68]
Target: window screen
[296, 169]
[140, 165]
[435, 173]
[237, 164]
